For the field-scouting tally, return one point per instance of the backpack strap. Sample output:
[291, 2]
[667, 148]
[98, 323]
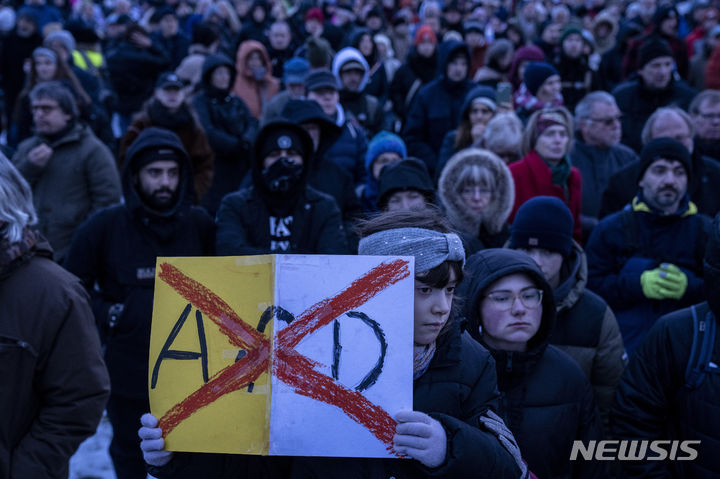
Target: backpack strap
[411, 92]
[631, 231]
[704, 327]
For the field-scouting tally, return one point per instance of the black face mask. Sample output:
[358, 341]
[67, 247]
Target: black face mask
[282, 176]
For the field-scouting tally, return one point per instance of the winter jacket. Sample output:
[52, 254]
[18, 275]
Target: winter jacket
[637, 103]
[176, 47]
[677, 45]
[627, 243]
[435, 110]
[596, 166]
[79, 179]
[133, 72]
[545, 399]
[532, 177]
[478, 231]
[309, 219]
[255, 93]
[348, 151]
[653, 402]
[586, 329]
[701, 186]
[578, 79]
[712, 70]
[185, 125]
[230, 130]
[416, 69]
[365, 108]
[55, 384]
[117, 249]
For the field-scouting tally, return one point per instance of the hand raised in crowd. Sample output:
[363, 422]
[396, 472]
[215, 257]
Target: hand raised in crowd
[140, 40]
[40, 155]
[420, 437]
[152, 442]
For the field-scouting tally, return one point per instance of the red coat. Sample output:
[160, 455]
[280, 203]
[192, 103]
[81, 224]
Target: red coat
[533, 177]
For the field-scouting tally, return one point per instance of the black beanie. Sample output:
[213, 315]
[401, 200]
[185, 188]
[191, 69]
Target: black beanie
[651, 49]
[535, 75]
[282, 138]
[152, 154]
[664, 148]
[543, 222]
[408, 174]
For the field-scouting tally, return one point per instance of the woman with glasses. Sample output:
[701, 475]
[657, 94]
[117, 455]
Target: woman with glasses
[546, 170]
[476, 190]
[545, 399]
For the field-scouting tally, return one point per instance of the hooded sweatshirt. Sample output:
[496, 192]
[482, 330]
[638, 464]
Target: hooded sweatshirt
[255, 88]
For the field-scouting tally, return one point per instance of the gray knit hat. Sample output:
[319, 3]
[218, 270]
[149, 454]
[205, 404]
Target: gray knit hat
[62, 36]
[430, 248]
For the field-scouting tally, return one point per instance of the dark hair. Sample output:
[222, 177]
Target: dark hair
[205, 34]
[56, 90]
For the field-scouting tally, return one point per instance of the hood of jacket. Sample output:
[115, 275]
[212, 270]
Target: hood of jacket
[423, 67]
[308, 111]
[573, 279]
[348, 54]
[476, 92]
[211, 63]
[497, 211]
[154, 137]
[245, 49]
[446, 51]
[482, 270]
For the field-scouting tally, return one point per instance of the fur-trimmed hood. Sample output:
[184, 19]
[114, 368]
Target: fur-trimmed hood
[501, 204]
[350, 54]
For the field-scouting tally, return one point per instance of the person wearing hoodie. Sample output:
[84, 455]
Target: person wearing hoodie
[114, 254]
[604, 30]
[229, 126]
[280, 213]
[545, 399]
[476, 112]
[168, 108]
[325, 175]
[436, 108]
[257, 23]
[585, 327]
[254, 82]
[476, 191]
[657, 399]
[419, 69]
[353, 74]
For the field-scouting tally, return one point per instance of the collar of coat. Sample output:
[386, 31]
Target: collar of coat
[687, 207]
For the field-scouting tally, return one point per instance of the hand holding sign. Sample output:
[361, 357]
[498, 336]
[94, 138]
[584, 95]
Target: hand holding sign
[420, 437]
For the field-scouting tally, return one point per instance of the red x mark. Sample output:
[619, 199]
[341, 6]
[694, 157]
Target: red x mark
[289, 366]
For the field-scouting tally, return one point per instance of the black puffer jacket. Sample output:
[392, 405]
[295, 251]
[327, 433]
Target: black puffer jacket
[546, 401]
[230, 129]
[117, 248]
[457, 389]
[653, 401]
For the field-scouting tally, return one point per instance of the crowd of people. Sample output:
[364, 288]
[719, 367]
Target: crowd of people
[555, 161]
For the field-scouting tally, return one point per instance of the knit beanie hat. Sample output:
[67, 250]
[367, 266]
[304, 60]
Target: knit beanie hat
[570, 30]
[664, 149]
[535, 75]
[425, 33]
[384, 142]
[283, 138]
[543, 222]
[409, 174]
[62, 36]
[651, 49]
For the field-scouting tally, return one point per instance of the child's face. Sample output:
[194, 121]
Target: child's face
[432, 309]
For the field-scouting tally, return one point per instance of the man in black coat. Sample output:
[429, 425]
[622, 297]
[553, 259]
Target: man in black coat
[280, 213]
[655, 87]
[117, 249]
[436, 108]
[657, 399]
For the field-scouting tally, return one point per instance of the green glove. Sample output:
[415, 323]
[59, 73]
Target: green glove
[676, 281]
[652, 283]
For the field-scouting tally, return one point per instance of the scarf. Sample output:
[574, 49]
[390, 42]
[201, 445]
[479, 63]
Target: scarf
[13, 255]
[422, 355]
[561, 172]
[164, 118]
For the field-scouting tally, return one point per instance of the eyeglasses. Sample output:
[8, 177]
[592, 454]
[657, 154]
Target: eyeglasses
[472, 190]
[530, 298]
[608, 121]
[710, 116]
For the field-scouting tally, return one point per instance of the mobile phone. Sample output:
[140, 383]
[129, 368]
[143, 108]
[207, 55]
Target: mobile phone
[504, 92]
